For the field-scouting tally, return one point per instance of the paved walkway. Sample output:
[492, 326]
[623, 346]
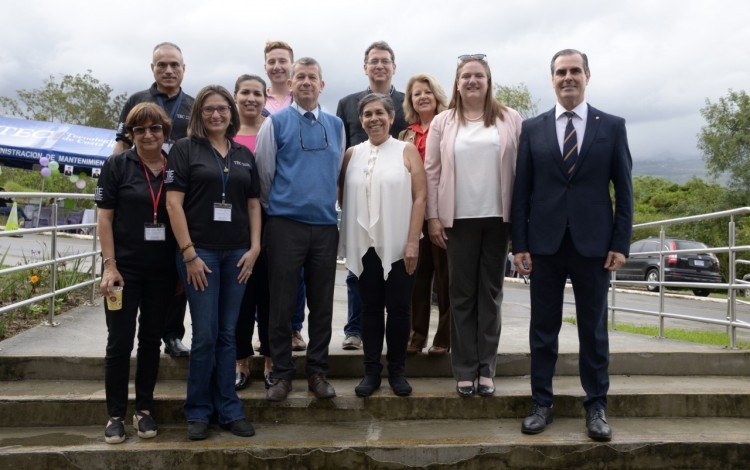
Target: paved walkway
[82, 333]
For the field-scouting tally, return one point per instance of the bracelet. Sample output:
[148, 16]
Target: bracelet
[190, 260]
[185, 248]
[111, 258]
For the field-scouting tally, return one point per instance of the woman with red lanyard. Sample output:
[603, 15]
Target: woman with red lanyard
[138, 251]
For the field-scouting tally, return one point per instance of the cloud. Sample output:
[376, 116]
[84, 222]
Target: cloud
[654, 63]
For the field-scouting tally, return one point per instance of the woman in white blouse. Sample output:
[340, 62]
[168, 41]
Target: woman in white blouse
[382, 195]
[470, 161]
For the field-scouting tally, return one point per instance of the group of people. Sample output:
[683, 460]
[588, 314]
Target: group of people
[237, 197]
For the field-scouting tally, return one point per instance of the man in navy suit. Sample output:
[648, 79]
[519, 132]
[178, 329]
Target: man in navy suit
[565, 225]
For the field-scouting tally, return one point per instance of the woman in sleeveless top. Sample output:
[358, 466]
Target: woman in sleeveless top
[382, 193]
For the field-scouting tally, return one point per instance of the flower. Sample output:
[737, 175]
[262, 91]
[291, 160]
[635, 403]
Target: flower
[34, 279]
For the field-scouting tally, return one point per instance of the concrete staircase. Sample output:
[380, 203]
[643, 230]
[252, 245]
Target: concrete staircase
[672, 405]
[670, 409]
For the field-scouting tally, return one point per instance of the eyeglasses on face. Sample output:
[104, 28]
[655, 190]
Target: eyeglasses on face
[465, 57]
[153, 129]
[208, 111]
[162, 66]
[384, 62]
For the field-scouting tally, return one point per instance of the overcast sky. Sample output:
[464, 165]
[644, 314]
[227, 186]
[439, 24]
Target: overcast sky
[652, 62]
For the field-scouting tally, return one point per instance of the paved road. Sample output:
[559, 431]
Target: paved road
[35, 247]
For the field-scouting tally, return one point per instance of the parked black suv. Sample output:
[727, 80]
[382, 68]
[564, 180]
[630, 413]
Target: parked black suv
[703, 267]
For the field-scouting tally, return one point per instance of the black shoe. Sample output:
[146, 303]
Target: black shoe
[486, 390]
[197, 431]
[400, 386]
[175, 348]
[278, 390]
[367, 386]
[538, 419]
[115, 431]
[241, 427]
[267, 381]
[241, 381]
[321, 388]
[145, 425]
[597, 426]
[465, 392]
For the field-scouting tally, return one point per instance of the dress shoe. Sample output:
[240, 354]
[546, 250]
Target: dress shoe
[486, 390]
[241, 427]
[278, 390]
[437, 351]
[465, 391]
[241, 380]
[367, 386]
[597, 426]
[298, 344]
[197, 431]
[399, 385]
[320, 387]
[175, 348]
[538, 419]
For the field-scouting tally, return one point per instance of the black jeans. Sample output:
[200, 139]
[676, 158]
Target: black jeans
[378, 297]
[151, 293]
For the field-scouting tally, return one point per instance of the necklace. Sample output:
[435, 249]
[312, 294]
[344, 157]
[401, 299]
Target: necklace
[466, 116]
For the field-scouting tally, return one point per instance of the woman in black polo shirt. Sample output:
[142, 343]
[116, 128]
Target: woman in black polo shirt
[137, 247]
[212, 199]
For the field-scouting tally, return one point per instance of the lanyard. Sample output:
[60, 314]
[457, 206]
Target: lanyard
[154, 198]
[175, 108]
[224, 170]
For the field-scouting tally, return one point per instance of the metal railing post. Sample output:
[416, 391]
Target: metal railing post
[53, 266]
[661, 282]
[732, 297]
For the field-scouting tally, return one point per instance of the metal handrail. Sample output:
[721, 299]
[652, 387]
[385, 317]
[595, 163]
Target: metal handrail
[733, 284]
[54, 230]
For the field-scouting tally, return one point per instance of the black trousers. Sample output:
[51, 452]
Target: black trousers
[477, 250]
[255, 306]
[590, 286]
[291, 246]
[385, 313]
[174, 318]
[151, 294]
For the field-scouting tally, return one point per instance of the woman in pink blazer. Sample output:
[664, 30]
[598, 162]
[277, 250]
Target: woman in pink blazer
[470, 163]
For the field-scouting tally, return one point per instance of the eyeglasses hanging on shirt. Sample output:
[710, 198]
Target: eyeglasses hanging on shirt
[314, 139]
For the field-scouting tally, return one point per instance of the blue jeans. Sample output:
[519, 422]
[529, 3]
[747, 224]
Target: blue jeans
[214, 311]
[353, 325]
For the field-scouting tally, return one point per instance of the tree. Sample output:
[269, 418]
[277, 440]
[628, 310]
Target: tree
[76, 99]
[725, 139]
[517, 97]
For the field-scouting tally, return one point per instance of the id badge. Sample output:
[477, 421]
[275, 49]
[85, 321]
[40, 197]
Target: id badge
[167, 146]
[154, 232]
[222, 212]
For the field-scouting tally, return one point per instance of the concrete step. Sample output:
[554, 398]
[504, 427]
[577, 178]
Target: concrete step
[81, 403]
[714, 361]
[642, 443]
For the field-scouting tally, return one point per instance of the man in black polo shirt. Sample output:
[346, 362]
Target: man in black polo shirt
[380, 65]
[168, 68]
